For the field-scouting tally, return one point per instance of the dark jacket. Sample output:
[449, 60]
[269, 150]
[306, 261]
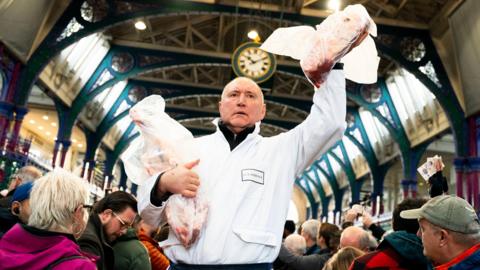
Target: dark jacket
[313, 250]
[7, 200]
[292, 261]
[93, 241]
[130, 253]
[7, 220]
[398, 250]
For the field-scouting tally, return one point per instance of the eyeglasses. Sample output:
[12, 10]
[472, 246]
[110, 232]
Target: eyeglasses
[124, 224]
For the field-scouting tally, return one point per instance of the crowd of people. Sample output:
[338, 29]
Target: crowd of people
[47, 222]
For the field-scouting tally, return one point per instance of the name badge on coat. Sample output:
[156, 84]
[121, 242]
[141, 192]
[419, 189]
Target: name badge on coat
[253, 175]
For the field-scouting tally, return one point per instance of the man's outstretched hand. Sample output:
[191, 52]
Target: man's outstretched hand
[180, 180]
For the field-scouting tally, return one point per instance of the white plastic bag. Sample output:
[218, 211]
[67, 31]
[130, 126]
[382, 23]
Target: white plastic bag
[335, 38]
[163, 144]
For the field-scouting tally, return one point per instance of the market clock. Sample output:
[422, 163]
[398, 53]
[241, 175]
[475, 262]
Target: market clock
[250, 61]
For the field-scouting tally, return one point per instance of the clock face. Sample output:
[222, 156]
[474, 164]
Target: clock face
[249, 60]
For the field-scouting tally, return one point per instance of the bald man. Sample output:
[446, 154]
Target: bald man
[355, 237]
[248, 178]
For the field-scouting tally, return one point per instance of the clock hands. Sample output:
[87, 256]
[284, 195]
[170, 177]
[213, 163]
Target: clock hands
[255, 61]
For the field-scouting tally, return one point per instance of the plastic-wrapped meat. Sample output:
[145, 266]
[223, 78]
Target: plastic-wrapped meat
[163, 144]
[186, 217]
[332, 41]
[335, 37]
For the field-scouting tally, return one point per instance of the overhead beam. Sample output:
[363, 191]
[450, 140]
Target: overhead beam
[158, 47]
[439, 24]
[315, 13]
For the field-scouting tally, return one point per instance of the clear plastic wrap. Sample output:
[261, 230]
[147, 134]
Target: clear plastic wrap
[320, 49]
[337, 35]
[163, 144]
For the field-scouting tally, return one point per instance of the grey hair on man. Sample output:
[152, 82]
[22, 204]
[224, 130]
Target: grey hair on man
[54, 199]
[296, 244]
[310, 228]
[28, 174]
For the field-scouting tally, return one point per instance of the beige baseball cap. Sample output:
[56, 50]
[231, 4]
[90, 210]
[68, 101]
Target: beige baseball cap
[448, 212]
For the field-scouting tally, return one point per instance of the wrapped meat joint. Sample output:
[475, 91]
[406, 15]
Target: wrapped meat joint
[163, 144]
[342, 37]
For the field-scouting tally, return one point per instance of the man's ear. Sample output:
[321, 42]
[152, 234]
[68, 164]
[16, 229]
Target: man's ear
[105, 216]
[15, 208]
[444, 236]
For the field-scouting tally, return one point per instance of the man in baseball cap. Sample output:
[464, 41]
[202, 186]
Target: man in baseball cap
[450, 232]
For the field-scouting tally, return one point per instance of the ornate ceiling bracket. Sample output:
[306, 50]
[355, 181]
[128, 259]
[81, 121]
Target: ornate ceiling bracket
[113, 116]
[344, 162]
[415, 51]
[357, 134]
[324, 200]
[123, 143]
[377, 100]
[323, 165]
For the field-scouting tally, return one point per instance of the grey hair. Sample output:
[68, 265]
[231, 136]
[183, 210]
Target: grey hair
[364, 241]
[467, 239]
[470, 239]
[296, 244]
[310, 228]
[54, 199]
[28, 174]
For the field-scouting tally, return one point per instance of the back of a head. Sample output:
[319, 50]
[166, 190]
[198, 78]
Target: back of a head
[355, 237]
[117, 201]
[310, 228]
[290, 226]
[331, 233]
[296, 244]
[409, 225]
[28, 174]
[54, 198]
[343, 258]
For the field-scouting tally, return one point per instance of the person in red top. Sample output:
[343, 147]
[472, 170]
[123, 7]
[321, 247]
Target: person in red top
[450, 232]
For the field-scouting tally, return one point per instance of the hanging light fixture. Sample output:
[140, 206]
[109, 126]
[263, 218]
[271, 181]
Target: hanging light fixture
[253, 35]
[140, 25]
[334, 5]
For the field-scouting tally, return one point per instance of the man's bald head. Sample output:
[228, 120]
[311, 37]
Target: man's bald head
[242, 104]
[354, 237]
[241, 81]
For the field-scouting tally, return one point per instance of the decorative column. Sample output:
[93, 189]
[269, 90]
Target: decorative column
[19, 115]
[377, 204]
[6, 116]
[63, 153]
[458, 162]
[56, 148]
[91, 166]
[413, 188]
[405, 186]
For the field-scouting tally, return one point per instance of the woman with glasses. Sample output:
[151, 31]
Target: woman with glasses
[57, 217]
